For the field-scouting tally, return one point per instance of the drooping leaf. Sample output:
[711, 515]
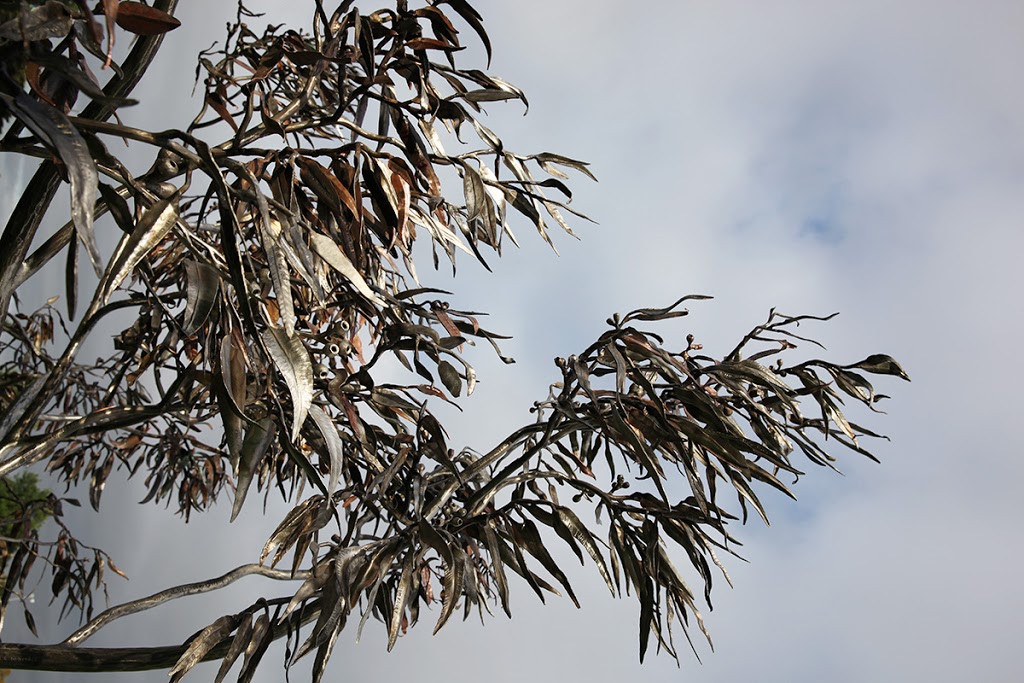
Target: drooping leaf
[155, 223]
[334, 446]
[255, 445]
[236, 648]
[292, 360]
[329, 252]
[203, 286]
[450, 377]
[58, 133]
[201, 644]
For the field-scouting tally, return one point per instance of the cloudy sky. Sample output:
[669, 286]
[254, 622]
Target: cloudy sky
[864, 157]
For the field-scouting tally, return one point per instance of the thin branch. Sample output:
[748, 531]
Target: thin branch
[157, 599]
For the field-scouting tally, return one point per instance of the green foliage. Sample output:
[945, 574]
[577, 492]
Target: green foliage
[17, 495]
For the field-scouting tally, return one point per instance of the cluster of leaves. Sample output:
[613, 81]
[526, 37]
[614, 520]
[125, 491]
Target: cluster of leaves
[271, 276]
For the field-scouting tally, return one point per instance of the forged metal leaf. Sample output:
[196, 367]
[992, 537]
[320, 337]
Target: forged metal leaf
[292, 360]
[260, 639]
[143, 20]
[117, 207]
[233, 397]
[110, 12]
[334, 446]
[454, 580]
[303, 518]
[71, 278]
[58, 133]
[201, 644]
[547, 161]
[401, 597]
[497, 565]
[237, 646]
[529, 537]
[476, 194]
[854, 384]
[881, 364]
[52, 20]
[203, 287]
[486, 95]
[335, 258]
[450, 377]
[152, 227]
[277, 263]
[586, 539]
[663, 313]
[473, 18]
[254, 447]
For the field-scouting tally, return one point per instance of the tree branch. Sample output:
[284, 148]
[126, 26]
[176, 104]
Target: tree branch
[98, 660]
[176, 592]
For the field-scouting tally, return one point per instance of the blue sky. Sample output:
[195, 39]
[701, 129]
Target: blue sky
[815, 156]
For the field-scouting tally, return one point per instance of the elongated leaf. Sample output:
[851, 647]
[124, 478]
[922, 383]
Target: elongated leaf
[401, 597]
[881, 364]
[473, 18]
[291, 358]
[71, 278]
[152, 227]
[143, 20]
[254, 447]
[203, 287]
[334, 446]
[336, 259]
[262, 634]
[277, 263]
[51, 20]
[236, 648]
[580, 532]
[497, 566]
[531, 540]
[450, 378]
[58, 133]
[453, 584]
[201, 644]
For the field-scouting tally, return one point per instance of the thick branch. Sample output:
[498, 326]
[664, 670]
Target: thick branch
[98, 660]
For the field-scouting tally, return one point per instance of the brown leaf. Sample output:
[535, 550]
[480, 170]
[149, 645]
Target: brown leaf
[143, 20]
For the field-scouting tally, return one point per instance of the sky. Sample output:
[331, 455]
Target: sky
[866, 158]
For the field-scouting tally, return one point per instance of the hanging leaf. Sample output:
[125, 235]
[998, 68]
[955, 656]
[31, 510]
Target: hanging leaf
[58, 133]
[203, 286]
[155, 223]
[256, 444]
[236, 648]
[201, 644]
[450, 378]
[334, 445]
[336, 259]
[292, 360]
